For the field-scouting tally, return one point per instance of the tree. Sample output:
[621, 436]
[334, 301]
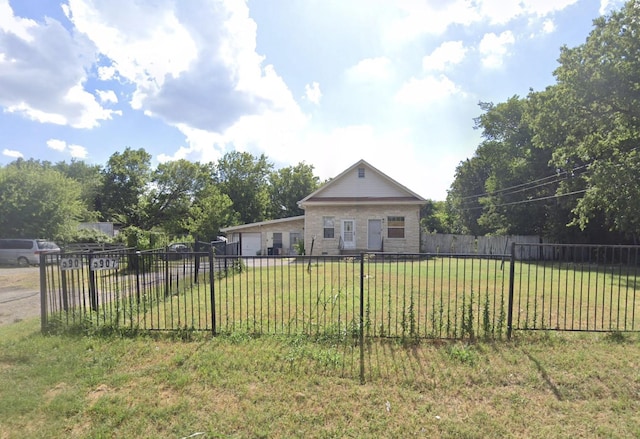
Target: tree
[462, 205]
[90, 179]
[289, 185]
[521, 182]
[210, 212]
[126, 179]
[243, 178]
[175, 186]
[599, 85]
[433, 217]
[37, 201]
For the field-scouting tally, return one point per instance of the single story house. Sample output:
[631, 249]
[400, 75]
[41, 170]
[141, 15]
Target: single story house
[362, 209]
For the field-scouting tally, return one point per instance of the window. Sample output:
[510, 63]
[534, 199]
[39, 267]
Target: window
[328, 226]
[277, 240]
[395, 227]
[360, 172]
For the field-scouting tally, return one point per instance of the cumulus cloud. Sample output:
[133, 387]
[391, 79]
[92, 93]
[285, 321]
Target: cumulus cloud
[548, 26]
[107, 96]
[427, 90]
[57, 144]
[75, 151]
[434, 18]
[371, 70]
[43, 70]
[447, 54]
[606, 6]
[312, 93]
[193, 64]
[12, 153]
[494, 48]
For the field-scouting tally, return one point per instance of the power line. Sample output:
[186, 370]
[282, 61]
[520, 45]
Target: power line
[532, 200]
[522, 187]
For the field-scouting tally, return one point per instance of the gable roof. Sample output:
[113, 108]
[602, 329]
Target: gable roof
[363, 184]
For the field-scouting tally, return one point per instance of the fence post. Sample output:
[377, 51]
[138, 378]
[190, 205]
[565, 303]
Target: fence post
[43, 295]
[93, 291]
[212, 291]
[361, 328]
[512, 272]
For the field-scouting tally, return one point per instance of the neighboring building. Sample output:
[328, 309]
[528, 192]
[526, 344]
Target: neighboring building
[107, 228]
[361, 209]
[277, 237]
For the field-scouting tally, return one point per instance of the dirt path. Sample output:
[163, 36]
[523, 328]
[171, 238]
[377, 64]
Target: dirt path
[19, 294]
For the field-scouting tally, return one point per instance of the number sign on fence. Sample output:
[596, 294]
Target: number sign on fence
[104, 264]
[71, 263]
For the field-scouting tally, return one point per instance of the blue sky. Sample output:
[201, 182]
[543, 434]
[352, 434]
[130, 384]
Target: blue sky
[327, 82]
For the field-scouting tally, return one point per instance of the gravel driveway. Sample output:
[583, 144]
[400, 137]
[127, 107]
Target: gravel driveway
[17, 303]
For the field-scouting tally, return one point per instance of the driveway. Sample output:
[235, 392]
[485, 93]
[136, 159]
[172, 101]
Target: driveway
[17, 301]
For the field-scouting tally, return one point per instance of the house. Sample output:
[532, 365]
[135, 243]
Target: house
[362, 209]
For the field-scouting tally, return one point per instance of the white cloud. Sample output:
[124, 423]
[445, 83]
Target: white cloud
[370, 70]
[312, 92]
[107, 96]
[418, 18]
[105, 73]
[193, 64]
[20, 27]
[44, 79]
[147, 43]
[500, 11]
[12, 153]
[543, 8]
[426, 90]
[606, 6]
[494, 48]
[57, 144]
[75, 151]
[432, 18]
[447, 54]
[548, 26]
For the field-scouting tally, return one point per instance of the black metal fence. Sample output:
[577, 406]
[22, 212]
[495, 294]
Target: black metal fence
[555, 287]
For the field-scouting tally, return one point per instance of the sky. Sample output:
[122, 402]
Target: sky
[325, 82]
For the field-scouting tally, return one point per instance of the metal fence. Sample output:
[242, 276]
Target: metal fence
[555, 287]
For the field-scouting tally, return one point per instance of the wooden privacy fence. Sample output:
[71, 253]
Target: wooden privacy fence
[441, 243]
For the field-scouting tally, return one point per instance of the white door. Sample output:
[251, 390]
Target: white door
[251, 243]
[374, 235]
[348, 234]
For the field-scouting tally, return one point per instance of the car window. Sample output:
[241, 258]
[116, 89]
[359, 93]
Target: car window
[48, 245]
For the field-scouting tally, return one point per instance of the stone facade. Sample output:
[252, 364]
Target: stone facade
[314, 227]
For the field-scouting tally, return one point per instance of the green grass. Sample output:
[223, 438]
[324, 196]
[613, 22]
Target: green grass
[236, 386]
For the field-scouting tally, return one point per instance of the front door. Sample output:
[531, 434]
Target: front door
[374, 240]
[348, 234]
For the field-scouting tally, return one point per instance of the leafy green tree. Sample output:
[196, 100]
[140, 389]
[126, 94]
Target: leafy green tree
[37, 201]
[462, 205]
[599, 86]
[90, 179]
[433, 217]
[174, 187]
[244, 179]
[289, 185]
[211, 211]
[521, 181]
[126, 179]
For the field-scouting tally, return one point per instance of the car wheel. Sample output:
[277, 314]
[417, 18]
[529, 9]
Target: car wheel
[23, 262]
